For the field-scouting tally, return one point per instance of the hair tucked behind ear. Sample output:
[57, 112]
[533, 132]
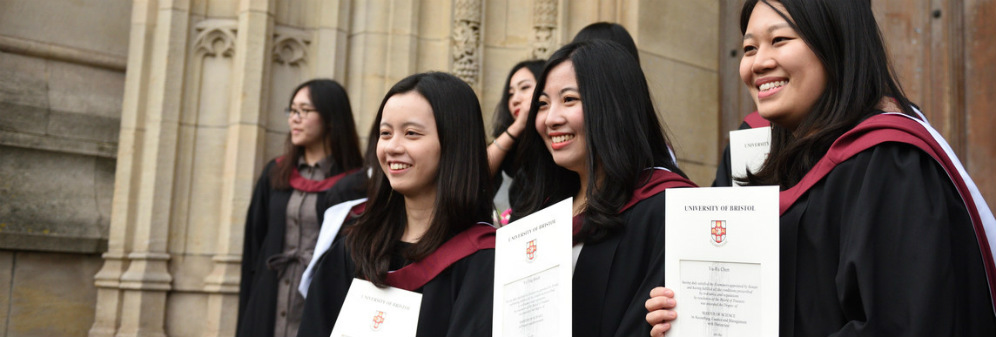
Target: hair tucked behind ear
[463, 181]
[623, 135]
[845, 37]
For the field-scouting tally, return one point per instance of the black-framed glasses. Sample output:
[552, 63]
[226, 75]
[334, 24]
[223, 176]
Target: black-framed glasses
[300, 113]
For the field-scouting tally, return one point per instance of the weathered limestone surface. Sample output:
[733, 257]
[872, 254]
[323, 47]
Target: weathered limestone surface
[51, 294]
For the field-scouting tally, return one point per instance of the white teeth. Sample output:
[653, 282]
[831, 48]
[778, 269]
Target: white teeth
[399, 166]
[561, 138]
[771, 85]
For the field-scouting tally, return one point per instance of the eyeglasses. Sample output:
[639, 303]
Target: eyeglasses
[302, 113]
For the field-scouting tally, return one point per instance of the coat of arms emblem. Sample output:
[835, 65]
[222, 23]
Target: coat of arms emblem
[531, 250]
[718, 232]
[378, 320]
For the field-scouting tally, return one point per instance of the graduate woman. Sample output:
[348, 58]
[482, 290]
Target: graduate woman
[285, 213]
[596, 137]
[882, 233]
[430, 194]
[509, 122]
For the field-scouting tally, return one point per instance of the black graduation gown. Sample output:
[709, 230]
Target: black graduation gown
[264, 237]
[613, 278]
[457, 302]
[883, 246]
[351, 187]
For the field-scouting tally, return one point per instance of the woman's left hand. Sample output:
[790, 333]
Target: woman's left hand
[660, 310]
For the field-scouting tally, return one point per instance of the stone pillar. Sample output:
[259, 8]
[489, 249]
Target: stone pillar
[383, 49]
[145, 283]
[131, 302]
[466, 48]
[250, 85]
[107, 280]
[331, 40]
[544, 40]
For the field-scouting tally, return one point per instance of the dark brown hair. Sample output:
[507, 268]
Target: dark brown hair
[463, 183]
[332, 105]
[845, 37]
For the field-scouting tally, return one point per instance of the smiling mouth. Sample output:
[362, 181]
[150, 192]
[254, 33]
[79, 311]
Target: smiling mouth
[561, 138]
[399, 166]
[771, 85]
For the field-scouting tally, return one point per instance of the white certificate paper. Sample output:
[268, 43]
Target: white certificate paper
[533, 272]
[748, 149]
[372, 311]
[721, 248]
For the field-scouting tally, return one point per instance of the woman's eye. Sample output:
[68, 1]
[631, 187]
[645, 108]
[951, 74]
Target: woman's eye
[542, 104]
[569, 99]
[748, 49]
[779, 39]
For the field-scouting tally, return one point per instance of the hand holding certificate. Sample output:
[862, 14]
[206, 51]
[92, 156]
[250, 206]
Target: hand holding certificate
[533, 273]
[722, 260]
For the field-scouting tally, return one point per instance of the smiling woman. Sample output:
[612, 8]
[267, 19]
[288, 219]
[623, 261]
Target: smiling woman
[288, 204]
[430, 190]
[408, 152]
[783, 75]
[595, 136]
[882, 232]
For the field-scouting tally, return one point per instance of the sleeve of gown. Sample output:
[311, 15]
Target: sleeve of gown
[651, 215]
[909, 262]
[332, 278]
[254, 232]
[472, 309]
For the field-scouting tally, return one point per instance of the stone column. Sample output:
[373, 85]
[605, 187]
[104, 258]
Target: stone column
[383, 49]
[147, 278]
[132, 301]
[544, 40]
[466, 48]
[331, 40]
[107, 280]
[242, 154]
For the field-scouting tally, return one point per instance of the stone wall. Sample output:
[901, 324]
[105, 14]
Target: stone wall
[62, 70]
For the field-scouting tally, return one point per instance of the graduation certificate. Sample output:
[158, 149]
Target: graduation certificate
[721, 248]
[533, 272]
[372, 311]
[748, 149]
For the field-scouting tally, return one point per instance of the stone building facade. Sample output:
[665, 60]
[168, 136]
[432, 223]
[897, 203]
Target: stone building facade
[132, 132]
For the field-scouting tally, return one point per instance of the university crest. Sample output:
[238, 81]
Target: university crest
[531, 250]
[378, 320]
[717, 232]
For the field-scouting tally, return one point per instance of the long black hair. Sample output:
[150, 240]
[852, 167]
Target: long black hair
[463, 183]
[332, 104]
[503, 118]
[609, 31]
[846, 39]
[622, 131]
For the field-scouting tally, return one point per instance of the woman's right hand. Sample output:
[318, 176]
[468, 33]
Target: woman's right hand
[519, 124]
[660, 309]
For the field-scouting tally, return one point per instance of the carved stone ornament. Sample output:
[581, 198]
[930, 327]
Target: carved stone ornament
[290, 46]
[466, 40]
[544, 27]
[216, 37]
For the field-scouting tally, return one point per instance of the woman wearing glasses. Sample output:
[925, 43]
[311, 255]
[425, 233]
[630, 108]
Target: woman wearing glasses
[283, 221]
